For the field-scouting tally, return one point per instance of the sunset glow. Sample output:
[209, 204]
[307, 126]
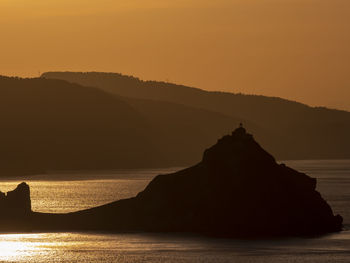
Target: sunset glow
[302, 46]
[19, 247]
[189, 131]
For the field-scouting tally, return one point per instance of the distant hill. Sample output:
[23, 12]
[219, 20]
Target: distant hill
[56, 125]
[291, 130]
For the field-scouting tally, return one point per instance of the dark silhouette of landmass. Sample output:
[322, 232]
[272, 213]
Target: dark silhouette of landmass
[15, 209]
[55, 125]
[288, 129]
[237, 190]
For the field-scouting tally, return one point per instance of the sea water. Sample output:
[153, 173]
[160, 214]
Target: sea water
[66, 192]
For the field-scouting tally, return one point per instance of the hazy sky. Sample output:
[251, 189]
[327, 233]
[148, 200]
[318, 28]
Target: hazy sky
[296, 49]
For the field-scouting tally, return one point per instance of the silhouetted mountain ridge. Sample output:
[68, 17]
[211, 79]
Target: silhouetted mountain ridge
[52, 124]
[56, 125]
[292, 130]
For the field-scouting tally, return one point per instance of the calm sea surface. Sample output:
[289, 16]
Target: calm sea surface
[58, 193]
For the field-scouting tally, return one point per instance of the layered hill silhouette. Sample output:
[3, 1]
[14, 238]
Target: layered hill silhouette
[56, 125]
[290, 130]
[238, 190]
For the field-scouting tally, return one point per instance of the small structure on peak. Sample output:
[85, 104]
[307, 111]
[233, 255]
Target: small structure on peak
[240, 131]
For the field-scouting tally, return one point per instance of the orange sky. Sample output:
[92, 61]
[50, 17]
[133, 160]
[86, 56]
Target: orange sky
[297, 49]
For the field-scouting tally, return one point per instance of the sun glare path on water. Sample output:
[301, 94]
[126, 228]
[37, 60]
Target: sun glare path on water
[18, 247]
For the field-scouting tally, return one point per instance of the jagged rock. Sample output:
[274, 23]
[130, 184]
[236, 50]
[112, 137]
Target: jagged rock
[16, 203]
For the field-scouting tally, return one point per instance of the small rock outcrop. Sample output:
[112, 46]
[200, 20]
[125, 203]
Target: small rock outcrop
[16, 203]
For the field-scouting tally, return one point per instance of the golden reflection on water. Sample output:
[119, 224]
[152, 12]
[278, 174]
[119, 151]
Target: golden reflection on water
[57, 193]
[43, 247]
[17, 247]
[131, 248]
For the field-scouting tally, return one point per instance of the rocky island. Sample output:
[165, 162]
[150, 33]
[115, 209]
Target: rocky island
[237, 190]
[15, 208]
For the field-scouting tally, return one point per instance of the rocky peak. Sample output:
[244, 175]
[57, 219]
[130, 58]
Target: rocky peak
[235, 150]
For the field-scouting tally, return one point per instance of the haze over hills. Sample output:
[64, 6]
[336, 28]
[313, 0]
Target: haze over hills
[56, 125]
[288, 129]
[81, 121]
